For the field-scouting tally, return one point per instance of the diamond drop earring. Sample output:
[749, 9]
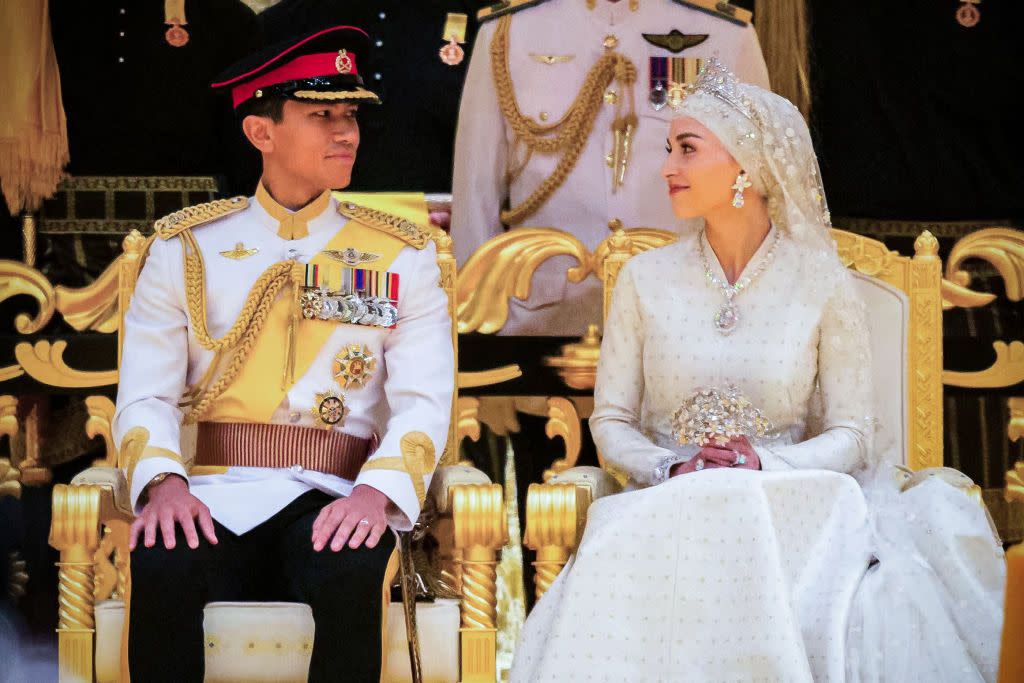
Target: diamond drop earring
[742, 183]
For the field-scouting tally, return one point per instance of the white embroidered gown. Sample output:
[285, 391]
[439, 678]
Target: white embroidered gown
[738, 575]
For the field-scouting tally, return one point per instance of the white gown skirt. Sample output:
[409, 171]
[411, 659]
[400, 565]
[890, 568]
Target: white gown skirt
[720, 575]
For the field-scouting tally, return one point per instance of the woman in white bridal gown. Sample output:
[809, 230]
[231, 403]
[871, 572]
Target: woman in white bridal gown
[761, 559]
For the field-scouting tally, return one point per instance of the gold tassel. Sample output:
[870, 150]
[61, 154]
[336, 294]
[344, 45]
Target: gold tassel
[627, 142]
[294, 319]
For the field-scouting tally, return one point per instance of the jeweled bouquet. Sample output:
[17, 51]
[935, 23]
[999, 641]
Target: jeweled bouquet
[717, 415]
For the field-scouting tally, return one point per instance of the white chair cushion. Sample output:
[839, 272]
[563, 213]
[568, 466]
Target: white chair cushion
[889, 319]
[599, 482]
[438, 626]
[281, 639]
[446, 477]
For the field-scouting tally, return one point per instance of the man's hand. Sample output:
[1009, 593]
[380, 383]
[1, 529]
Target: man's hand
[170, 502]
[352, 520]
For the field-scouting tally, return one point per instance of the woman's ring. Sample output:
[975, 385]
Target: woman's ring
[364, 521]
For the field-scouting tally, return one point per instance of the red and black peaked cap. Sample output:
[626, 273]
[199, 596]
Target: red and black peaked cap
[320, 66]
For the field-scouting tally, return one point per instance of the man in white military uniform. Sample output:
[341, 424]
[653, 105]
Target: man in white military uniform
[310, 342]
[538, 63]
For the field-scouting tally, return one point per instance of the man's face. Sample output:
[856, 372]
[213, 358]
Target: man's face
[316, 142]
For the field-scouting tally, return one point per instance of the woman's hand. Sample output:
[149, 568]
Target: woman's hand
[736, 453]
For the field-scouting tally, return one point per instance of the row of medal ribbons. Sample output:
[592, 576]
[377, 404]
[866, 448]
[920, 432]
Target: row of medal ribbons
[350, 295]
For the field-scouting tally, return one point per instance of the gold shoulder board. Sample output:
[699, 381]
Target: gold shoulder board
[500, 9]
[407, 231]
[722, 10]
[200, 214]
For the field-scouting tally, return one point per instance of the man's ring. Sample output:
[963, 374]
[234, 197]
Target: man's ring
[364, 521]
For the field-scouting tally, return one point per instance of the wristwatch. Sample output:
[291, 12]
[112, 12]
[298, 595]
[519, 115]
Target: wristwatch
[153, 482]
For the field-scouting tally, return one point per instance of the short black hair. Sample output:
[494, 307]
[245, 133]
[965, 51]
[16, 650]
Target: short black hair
[270, 107]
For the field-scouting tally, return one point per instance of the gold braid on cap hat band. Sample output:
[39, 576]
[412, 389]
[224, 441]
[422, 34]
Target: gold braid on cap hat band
[240, 339]
[567, 136]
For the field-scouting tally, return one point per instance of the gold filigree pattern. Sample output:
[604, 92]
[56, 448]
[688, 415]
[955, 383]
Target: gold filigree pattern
[1015, 425]
[1006, 371]
[44, 362]
[485, 378]
[1015, 484]
[19, 279]
[93, 307]
[10, 479]
[468, 423]
[101, 416]
[1001, 247]
[503, 268]
[563, 421]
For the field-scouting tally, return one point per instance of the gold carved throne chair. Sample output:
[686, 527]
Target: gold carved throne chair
[273, 641]
[904, 301]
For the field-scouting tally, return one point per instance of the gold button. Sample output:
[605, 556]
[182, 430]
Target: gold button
[259, 93]
[543, 116]
[610, 42]
[610, 160]
[611, 97]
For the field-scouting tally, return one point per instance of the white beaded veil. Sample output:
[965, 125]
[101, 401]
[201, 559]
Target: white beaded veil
[767, 135]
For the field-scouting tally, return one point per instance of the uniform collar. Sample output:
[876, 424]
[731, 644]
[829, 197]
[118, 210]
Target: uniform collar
[292, 225]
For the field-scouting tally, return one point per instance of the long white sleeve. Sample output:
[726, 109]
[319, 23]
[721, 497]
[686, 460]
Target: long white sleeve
[420, 365]
[844, 380]
[479, 181]
[154, 364]
[619, 392]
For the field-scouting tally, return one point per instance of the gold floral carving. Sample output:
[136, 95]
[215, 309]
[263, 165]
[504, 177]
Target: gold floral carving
[446, 266]
[503, 267]
[101, 416]
[1015, 484]
[1006, 371]
[19, 279]
[925, 357]
[1015, 425]
[640, 239]
[563, 421]
[44, 362]
[93, 307]
[1001, 247]
[864, 255]
[468, 422]
[10, 479]
[485, 378]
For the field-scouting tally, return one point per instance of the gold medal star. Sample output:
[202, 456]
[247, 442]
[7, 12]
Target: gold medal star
[354, 366]
[329, 409]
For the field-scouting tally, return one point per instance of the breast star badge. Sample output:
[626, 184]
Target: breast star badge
[350, 256]
[239, 252]
[354, 366]
[329, 409]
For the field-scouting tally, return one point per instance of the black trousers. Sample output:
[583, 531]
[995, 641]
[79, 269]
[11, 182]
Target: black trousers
[273, 562]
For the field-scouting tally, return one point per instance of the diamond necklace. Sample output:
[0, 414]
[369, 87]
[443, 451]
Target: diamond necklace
[728, 316]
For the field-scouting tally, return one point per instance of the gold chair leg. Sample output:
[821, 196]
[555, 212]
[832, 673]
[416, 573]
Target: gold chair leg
[75, 533]
[555, 517]
[481, 529]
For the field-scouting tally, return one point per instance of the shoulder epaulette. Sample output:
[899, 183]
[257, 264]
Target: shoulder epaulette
[396, 226]
[200, 214]
[722, 10]
[500, 9]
